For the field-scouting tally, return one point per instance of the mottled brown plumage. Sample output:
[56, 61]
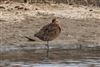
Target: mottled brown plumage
[49, 32]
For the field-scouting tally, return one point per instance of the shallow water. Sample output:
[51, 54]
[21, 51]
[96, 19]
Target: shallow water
[94, 62]
[88, 61]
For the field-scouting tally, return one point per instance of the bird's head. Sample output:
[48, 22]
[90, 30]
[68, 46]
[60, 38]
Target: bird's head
[54, 20]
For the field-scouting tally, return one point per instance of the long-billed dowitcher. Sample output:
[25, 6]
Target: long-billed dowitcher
[49, 32]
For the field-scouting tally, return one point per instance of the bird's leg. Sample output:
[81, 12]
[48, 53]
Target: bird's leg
[47, 49]
[80, 46]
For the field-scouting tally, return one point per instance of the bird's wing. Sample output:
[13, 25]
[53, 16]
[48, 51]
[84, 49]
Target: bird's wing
[50, 28]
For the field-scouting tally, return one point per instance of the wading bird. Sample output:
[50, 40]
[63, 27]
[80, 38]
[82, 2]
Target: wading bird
[49, 32]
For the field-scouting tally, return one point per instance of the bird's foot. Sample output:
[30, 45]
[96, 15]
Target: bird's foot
[46, 60]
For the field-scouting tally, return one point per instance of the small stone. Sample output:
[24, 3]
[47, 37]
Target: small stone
[90, 10]
[36, 8]
[1, 7]
[26, 9]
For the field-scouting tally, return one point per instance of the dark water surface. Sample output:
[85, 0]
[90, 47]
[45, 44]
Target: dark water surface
[65, 63]
[29, 57]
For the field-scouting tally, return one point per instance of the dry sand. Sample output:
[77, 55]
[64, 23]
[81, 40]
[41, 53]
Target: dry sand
[78, 22]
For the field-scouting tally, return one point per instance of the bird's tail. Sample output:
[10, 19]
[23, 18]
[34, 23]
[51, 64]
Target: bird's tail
[30, 39]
